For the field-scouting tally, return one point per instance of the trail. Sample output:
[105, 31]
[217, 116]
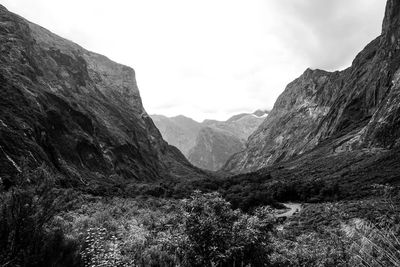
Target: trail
[293, 208]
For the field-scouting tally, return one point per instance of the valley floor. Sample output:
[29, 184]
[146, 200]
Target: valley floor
[75, 229]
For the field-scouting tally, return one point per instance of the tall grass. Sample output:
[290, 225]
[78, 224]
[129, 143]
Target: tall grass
[377, 244]
[373, 246]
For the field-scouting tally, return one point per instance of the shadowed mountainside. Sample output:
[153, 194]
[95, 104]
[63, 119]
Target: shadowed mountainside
[77, 111]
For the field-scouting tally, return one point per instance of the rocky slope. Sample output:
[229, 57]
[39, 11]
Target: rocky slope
[76, 111]
[357, 108]
[209, 144]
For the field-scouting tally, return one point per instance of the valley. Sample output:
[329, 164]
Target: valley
[209, 144]
[88, 178]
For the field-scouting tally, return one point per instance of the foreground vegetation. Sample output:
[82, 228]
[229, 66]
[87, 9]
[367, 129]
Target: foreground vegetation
[43, 225]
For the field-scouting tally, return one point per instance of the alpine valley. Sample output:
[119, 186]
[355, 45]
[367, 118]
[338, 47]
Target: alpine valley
[209, 144]
[88, 178]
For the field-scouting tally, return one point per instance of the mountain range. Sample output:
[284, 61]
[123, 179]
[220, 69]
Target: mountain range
[210, 143]
[88, 178]
[81, 114]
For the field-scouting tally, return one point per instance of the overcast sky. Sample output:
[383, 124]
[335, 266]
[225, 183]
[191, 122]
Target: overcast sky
[213, 58]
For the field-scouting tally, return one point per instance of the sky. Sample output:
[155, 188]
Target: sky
[210, 59]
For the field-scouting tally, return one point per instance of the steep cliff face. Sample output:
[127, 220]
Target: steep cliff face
[75, 110]
[357, 107]
[285, 131]
[383, 129]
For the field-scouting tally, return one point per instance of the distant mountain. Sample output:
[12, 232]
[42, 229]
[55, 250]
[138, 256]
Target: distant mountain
[178, 131]
[242, 125]
[256, 114]
[260, 113]
[210, 143]
[213, 147]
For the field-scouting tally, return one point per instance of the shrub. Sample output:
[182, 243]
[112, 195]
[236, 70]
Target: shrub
[251, 238]
[220, 236]
[208, 224]
[27, 235]
[101, 250]
[311, 250]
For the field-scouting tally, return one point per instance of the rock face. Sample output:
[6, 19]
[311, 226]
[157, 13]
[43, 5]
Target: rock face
[75, 110]
[209, 144]
[358, 106]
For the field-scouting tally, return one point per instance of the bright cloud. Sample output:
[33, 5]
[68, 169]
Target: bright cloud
[213, 58]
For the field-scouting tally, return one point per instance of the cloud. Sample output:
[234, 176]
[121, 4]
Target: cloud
[210, 59]
[328, 34]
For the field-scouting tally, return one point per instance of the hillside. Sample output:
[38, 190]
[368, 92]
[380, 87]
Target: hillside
[76, 111]
[353, 109]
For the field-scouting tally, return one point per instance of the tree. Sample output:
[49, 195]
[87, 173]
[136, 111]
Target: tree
[220, 236]
[27, 236]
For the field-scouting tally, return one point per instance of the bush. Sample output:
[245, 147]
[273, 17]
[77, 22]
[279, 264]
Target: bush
[220, 236]
[355, 233]
[100, 250]
[208, 223]
[312, 250]
[28, 236]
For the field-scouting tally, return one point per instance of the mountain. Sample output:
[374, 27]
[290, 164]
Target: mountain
[178, 131]
[210, 143]
[76, 111]
[356, 109]
[260, 113]
[213, 147]
[241, 125]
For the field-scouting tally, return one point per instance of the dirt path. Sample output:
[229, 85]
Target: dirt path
[292, 209]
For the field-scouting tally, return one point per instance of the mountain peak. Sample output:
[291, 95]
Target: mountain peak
[260, 112]
[392, 16]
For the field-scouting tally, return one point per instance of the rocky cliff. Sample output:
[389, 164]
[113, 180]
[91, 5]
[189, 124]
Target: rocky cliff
[76, 111]
[353, 109]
